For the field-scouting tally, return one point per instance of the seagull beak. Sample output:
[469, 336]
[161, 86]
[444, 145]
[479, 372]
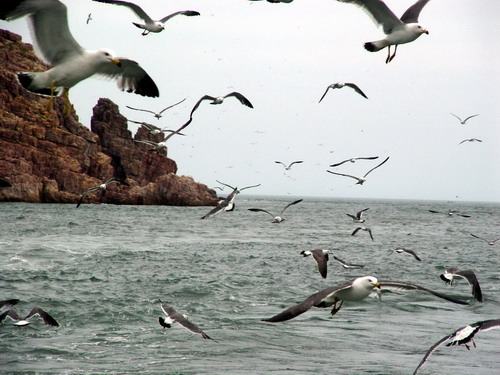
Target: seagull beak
[117, 62]
[425, 31]
[377, 285]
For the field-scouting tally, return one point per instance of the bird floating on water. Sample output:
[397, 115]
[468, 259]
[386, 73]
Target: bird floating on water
[321, 257]
[398, 30]
[150, 25]
[401, 250]
[339, 85]
[358, 217]
[278, 218]
[491, 243]
[101, 187]
[158, 115]
[21, 322]
[454, 273]
[361, 180]
[464, 120]
[363, 229]
[287, 167]
[226, 204]
[353, 160]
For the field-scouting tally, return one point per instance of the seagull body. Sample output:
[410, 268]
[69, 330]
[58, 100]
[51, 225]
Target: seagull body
[159, 147]
[464, 120]
[278, 218]
[470, 140]
[347, 265]
[358, 217]
[321, 257]
[401, 250]
[364, 229]
[354, 290]
[172, 316]
[461, 336]
[353, 160]
[158, 115]
[150, 25]
[287, 167]
[339, 85]
[71, 63]
[100, 187]
[361, 180]
[226, 204]
[491, 243]
[454, 273]
[398, 30]
[21, 322]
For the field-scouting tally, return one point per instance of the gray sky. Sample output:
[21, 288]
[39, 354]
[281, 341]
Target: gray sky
[282, 57]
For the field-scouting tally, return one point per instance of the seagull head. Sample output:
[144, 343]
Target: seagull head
[108, 56]
[159, 26]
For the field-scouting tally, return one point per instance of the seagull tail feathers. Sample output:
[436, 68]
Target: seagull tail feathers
[28, 81]
[375, 46]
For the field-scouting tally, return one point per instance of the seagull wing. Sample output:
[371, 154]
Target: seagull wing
[360, 213]
[111, 180]
[279, 162]
[479, 238]
[85, 193]
[179, 318]
[322, 260]
[290, 204]
[459, 119]
[356, 231]
[260, 210]
[139, 109]
[328, 88]
[401, 285]
[181, 12]
[352, 216]
[12, 314]
[170, 106]
[146, 142]
[44, 315]
[465, 120]
[412, 13]
[8, 302]
[432, 349]
[379, 12]
[357, 89]
[471, 278]
[367, 158]
[241, 98]
[222, 183]
[367, 173]
[214, 211]
[342, 174]
[248, 187]
[486, 325]
[178, 131]
[133, 7]
[295, 162]
[371, 235]
[413, 253]
[337, 164]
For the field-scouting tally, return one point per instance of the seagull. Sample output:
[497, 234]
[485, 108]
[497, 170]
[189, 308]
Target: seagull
[399, 31]
[347, 265]
[102, 186]
[461, 336]
[449, 213]
[152, 129]
[321, 257]
[279, 218]
[70, 62]
[159, 147]
[158, 115]
[226, 204]
[89, 18]
[361, 180]
[453, 272]
[465, 120]
[354, 290]
[21, 322]
[8, 302]
[175, 317]
[363, 228]
[289, 165]
[339, 85]
[470, 140]
[491, 243]
[150, 25]
[353, 160]
[401, 250]
[358, 217]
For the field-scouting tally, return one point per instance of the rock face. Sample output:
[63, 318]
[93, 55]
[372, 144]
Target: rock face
[48, 157]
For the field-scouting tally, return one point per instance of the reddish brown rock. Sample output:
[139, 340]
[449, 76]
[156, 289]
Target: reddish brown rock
[49, 157]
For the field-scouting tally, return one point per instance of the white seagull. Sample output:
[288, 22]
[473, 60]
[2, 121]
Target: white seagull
[150, 24]
[287, 167]
[461, 336]
[454, 273]
[159, 147]
[364, 229]
[464, 120]
[358, 217]
[347, 265]
[158, 115]
[354, 290]
[321, 257]
[401, 250]
[173, 316]
[398, 30]
[361, 180]
[353, 160]
[491, 243]
[152, 129]
[226, 204]
[278, 218]
[101, 187]
[470, 140]
[70, 62]
[339, 85]
[21, 322]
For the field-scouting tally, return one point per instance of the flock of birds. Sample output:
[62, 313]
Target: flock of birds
[71, 64]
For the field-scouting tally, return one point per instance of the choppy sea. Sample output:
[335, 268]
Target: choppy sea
[99, 270]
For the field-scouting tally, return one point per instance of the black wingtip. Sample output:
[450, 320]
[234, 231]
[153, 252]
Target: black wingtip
[370, 47]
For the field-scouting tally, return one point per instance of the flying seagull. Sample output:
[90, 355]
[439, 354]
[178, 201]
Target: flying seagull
[152, 129]
[491, 243]
[363, 228]
[347, 265]
[470, 140]
[21, 322]
[150, 24]
[279, 218]
[102, 186]
[226, 204]
[287, 167]
[159, 147]
[353, 160]
[89, 18]
[449, 213]
[70, 62]
[401, 250]
[454, 273]
[158, 115]
[354, 290]
[461, 336]
[361, 180]
[358, 217]
[175, 317]
[464, 120]
[399, 31]
[321, 257]
[8, 303]
[339, 85]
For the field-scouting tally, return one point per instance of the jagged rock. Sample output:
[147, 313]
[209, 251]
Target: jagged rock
[48, 157]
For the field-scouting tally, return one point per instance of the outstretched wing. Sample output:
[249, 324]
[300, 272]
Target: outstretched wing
[367, 173]
[133, 7]
[188, 13]
[260, 210]
[343, 174]
[179, 318]
[357, 89]
[170, 106]
[248, 187]
[412, 13]
[12, 314]
[401, 285]
[44, 315]
[241, 98]
[290, 204]
[328, 88]
[322, 260]
[431, 350]
[139, 109]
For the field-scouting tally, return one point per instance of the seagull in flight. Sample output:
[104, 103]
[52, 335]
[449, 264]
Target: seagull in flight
[21, 322]
[150, 25]
[101, 187]
[462, 336]
[287, 167]
[321, 257]
[172, 316]
[449, 213]
[152, 129]
[353, 160]
[347, 265]
[491, 243]
[454, 273]
[398, 30]
[159, 147]
[158, 115]
[339, 85]
[401, 250]
[361, 180]
[364, 229]
[89, 18]
[226, 204]
[358, 217]
[278, 218]
[470, 140]
[464, 120]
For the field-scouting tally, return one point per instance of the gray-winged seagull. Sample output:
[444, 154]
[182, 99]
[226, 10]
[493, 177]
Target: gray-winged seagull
[21, 322]
[491, 243]
[346, 264]
[358, 217]
[276, 218]
[339, 85]
[401, 250]
[470, 140]
[101, 187]
[158, 115]
[454, 273]
[353, 160]
[363, 229]
[321, 257]
[226, 204]
[464, 120]
[287, 167]
[361, 180]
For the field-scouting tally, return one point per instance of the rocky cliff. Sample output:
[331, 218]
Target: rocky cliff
[48, 157]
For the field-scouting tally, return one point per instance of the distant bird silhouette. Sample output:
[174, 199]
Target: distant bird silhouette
[449, 213]
[353, 160]
[339, 85]
[100, 187]
[21, 322]
[401, 250]
[491, 243]
[158, 115]
[321, 257]
[453, 273]
[361, 180]
[363, 229]
[89, 18]
[358, 217]
[464, 120]
[470, 140]
[278, 218]
[287, 167]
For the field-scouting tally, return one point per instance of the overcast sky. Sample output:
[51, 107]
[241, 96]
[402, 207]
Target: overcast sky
[282, 57]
